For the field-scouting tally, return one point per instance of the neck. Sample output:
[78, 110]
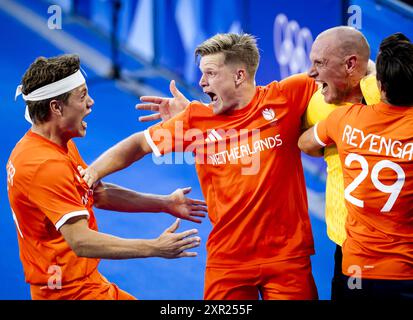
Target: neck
[50, 132]
[246, 94]
[355, 95]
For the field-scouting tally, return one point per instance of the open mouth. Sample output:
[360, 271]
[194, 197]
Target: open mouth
[84, 123]
[323, 86]
[212, 96]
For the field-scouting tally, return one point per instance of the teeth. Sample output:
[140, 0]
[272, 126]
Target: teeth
[84, 124]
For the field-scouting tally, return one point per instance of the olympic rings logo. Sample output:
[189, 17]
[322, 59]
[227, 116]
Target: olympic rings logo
[292, 46]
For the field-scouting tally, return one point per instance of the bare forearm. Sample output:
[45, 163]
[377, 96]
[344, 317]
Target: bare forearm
[112, 197]
[309, 145]
[92, 244]
[121, 155]
[100, 245]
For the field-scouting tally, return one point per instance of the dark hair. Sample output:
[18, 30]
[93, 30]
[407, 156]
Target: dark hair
[44, 71]
[237, 48]
[394, 65]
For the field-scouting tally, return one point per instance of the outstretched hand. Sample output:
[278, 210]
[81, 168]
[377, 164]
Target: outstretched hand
[166, 108]
[186, 208]
[172, 245]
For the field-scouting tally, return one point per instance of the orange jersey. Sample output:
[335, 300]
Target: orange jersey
[45, 190]
[93, 287]
[250, 172]
[375, 144]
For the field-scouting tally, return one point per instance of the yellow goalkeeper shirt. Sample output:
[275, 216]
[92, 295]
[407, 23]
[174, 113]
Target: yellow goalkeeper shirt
[335, 210]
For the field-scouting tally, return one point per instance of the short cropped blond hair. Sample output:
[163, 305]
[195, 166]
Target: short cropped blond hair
[237, 48]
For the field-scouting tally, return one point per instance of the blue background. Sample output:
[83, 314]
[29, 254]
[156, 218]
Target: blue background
[157, 38]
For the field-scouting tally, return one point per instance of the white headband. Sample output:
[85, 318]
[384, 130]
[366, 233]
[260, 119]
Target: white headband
[52, 89]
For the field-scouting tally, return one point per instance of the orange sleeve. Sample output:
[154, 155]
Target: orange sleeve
[169, 136]
[327, 131]
[53, 190]
[299, 89]
[321, 134]
[73, 149]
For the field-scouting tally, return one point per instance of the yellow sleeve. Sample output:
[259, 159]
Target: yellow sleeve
[370, 90]
[317, 110]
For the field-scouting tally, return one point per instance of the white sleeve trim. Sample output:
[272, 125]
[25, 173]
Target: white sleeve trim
[321, 143]
[151, 143]
[69, 215]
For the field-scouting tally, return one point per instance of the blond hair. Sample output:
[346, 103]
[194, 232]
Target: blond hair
[237, 48]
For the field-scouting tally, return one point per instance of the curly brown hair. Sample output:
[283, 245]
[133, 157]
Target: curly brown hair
[44, 71]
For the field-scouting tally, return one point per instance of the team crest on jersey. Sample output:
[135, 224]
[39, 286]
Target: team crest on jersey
[268, 114]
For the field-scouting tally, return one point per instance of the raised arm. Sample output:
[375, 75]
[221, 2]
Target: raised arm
[92, 244]
[118, 157]
[166, 108]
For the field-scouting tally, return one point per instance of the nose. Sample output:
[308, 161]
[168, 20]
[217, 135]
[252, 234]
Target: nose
[202, 82]
[312, 72]
[90, 102]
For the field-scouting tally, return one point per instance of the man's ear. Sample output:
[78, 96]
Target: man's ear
[56, 108]
[351, 63]
[240, 76]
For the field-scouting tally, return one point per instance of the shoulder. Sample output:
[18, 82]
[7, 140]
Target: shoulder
[73, 150]
[31, 152]
[300, 80]
[298, 89]
[198, 105]
[347, 112]
[197, 108]
[370, 89]
[55, 166]
[291, 82]
[318, 109]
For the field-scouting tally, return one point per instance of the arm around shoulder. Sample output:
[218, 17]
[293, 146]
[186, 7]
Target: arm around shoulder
[310, 144]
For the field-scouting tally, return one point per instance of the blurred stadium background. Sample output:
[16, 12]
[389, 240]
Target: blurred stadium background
[134, 47]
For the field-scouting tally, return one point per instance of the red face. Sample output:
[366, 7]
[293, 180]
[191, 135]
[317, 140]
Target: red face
[74, 111]
[329, 70]
[218, 81]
